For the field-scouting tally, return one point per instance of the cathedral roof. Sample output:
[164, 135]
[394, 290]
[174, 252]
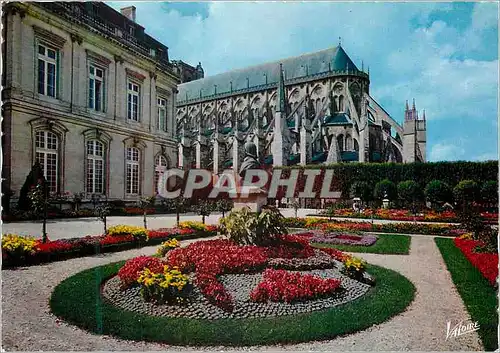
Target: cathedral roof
[332, 59]
[337, 119]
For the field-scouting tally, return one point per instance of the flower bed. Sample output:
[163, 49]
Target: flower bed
[212, 258]
[346, 226]
[281, 285]
[405, 215]
[130, 272]
[486, 263]
[38, 252]
[345, 239]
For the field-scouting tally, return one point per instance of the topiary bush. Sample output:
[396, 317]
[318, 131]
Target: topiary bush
[438, 192]
[363, 190]
[383, 188]
[409, 193]
[33, 178]
[466, 192]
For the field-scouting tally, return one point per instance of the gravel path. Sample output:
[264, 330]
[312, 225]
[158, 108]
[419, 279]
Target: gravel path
[80, 227]
[27, 324]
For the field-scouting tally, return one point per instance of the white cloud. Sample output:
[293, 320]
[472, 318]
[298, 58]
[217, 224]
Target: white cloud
[430, 62]
[446, 152]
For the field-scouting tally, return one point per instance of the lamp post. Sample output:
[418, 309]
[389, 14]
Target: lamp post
[385, 201]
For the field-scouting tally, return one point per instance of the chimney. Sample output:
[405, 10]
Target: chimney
[129, 12]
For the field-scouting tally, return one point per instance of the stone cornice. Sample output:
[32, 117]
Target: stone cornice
[97, 58]
[49, 37]
[163, 92]
[135, 74]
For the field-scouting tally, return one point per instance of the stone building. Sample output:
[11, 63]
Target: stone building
[89, 95]
[314, 108]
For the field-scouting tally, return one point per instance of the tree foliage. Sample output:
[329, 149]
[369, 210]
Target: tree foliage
[489, 191]
[363, 190]
[466, 191]
[437, 191]
[409, 192]
[385, 188]
[34, 177]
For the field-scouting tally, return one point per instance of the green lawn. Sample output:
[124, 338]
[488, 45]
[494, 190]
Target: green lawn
[386, 244]
[478, 295]
[78, 300]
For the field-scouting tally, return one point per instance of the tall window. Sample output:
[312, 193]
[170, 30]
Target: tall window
[96, 88]
[162, 114]
[133, 101]
[46, 153]
[95, 167]
[47, 70]
[160, 167]
[132, 172]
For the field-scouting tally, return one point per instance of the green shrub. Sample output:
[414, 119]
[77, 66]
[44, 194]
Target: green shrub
[245, 227]
[363, 190]
[383, 188]
[465, 192]
[437, 191]
[409, 192]
[489, 192]
[33, 178]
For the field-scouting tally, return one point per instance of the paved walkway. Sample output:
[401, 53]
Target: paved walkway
[80, 227]
[27, 323]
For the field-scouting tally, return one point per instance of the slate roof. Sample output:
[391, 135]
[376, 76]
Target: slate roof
[337, 119]
[293, 67]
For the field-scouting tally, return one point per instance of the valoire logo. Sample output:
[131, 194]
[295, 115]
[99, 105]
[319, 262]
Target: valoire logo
[460, 329]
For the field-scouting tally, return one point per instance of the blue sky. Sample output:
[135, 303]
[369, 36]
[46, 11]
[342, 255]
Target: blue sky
[445, 55]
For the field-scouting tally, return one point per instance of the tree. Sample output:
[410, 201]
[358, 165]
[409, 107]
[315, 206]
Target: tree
[409, 193]
[489, 192]
[36, 174]
[102, 211]
[204, 208]
[224, 205]
[438, 192]
[144, 203]
[363, 190]
[38, 198]
[385, 188]
[295, 205]
[466, 192]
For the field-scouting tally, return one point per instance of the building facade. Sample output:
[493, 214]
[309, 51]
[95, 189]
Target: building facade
[90, 96]
[315, 108]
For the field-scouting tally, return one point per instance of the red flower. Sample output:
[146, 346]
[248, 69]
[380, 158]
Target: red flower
[486, 263]
[280, 285]
[130, 272]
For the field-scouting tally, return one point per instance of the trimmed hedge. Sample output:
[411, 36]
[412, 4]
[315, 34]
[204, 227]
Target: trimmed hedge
[78, 300]
[450, 172]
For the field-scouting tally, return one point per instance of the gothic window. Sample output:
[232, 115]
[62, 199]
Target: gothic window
[47, 154]
[95, 167]
[340, 142]
[96, 88]
[133, 94]
[356, 145]
[341, 103]
[47, 70]
[348, 143]
[160, 167]
[133, 159]
[336, 101]
[162, 114]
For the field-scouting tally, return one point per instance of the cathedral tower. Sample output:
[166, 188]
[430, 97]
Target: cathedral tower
[415, 135]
